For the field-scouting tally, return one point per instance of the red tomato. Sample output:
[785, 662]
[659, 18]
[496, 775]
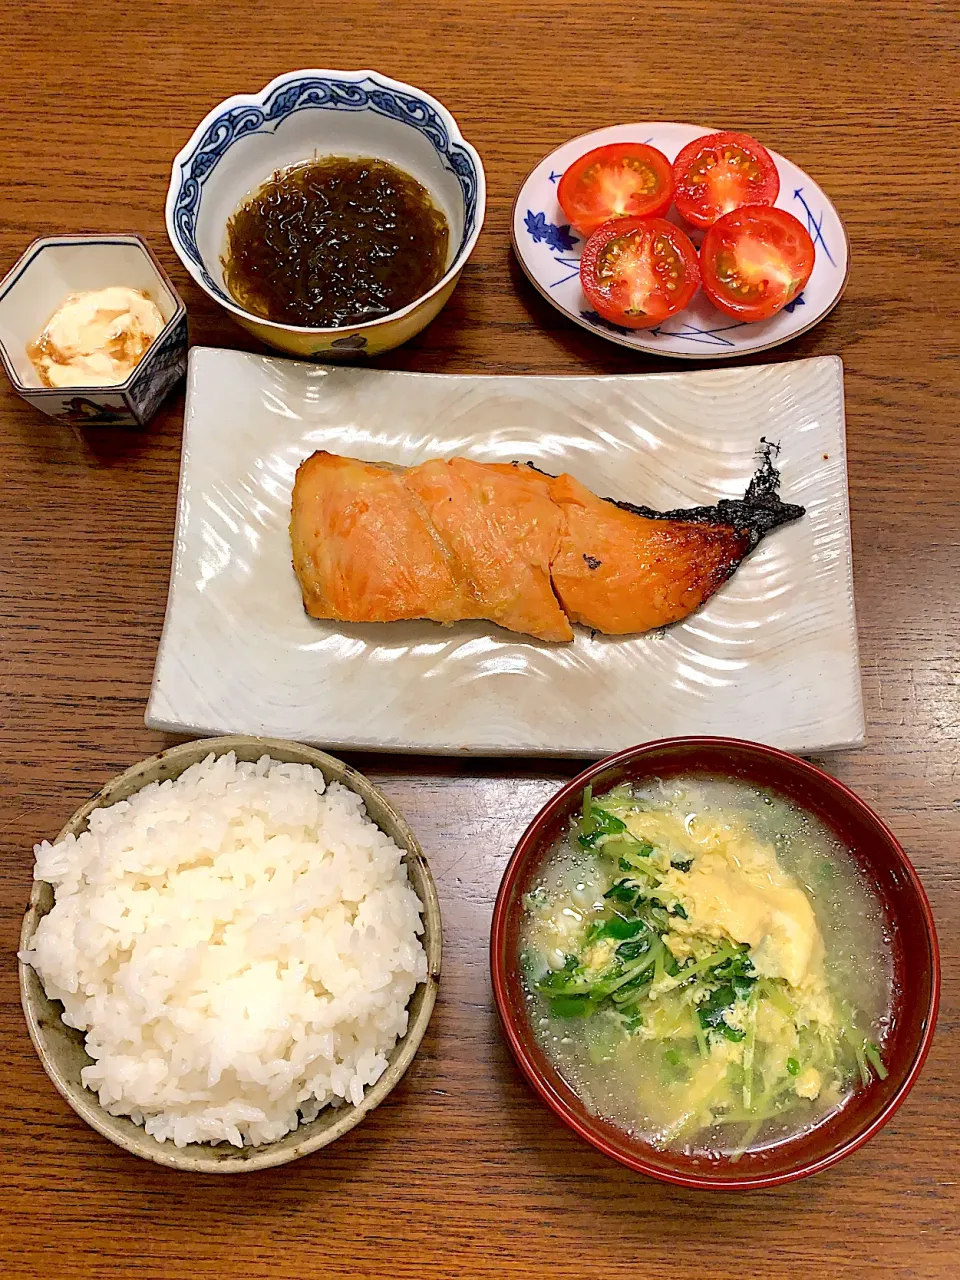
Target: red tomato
[638, 271]
[622, 180]
[721, 172]
[755, 260]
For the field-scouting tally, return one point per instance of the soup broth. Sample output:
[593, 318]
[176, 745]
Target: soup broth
[705, 966]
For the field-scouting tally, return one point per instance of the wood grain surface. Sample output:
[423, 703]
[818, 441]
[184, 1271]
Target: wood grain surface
[462, 1173]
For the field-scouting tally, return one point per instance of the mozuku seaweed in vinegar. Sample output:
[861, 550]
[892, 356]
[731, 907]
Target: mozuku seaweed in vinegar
[335, 241]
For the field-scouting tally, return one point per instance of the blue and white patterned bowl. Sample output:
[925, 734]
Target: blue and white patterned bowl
[305, 113]
[549, 252]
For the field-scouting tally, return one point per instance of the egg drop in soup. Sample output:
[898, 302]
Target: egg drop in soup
[705, 967]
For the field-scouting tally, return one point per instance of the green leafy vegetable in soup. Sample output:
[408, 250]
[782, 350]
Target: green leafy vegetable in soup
[704, 966]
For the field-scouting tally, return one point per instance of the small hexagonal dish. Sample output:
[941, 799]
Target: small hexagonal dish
[55, 266]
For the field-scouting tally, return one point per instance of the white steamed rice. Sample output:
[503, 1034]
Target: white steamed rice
[239, 946]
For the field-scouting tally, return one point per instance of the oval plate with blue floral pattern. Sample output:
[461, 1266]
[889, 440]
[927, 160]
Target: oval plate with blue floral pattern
[549, 252]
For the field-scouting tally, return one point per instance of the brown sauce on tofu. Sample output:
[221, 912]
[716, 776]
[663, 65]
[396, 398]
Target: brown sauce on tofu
[335, 241]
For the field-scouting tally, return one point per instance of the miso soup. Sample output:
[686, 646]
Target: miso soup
[705, 966]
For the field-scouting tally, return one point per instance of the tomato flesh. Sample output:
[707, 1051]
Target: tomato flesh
[636, 272]
[621, 180]
[721, 172]
[755, 261]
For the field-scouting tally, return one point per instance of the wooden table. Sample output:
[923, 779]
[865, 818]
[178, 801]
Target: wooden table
[463, 1172]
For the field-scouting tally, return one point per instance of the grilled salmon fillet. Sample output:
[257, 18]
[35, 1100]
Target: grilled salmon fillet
[458, 539]
[503, 531]
[619, 573]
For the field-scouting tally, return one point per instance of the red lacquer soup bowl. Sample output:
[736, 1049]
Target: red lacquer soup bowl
[885, 869]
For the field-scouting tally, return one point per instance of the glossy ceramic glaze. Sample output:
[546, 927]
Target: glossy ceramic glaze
[61, 1048]
[55, 266]
[772, 654]
[246, 138]
[549, 252]
[886, 871]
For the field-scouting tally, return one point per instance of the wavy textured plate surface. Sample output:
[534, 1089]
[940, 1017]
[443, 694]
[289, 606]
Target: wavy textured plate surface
[773, 656]
[549, 252]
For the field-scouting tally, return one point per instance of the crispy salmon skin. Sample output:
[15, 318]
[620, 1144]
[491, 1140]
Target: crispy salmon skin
[459, 539]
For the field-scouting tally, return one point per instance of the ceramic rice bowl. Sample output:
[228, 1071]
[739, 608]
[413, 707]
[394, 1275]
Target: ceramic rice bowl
[61, 1048]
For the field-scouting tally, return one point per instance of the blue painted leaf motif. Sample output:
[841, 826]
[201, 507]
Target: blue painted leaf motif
[551, 234]
[389, 104]
[570, 265]
[285, 102]
[594, 317]
[814, 226]
[797, 302]
[700, 337]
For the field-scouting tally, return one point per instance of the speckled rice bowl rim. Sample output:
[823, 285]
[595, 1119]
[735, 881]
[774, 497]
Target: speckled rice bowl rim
[61, 1048]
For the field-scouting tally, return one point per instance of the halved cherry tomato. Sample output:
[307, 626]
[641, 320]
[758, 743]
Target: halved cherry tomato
[638, 271]
[622, 180]
[721, 172]
[755, 260]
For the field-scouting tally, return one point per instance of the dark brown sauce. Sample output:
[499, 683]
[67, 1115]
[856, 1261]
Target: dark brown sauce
[333, 242]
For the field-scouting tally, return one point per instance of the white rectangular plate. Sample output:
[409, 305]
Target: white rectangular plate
[773, 656]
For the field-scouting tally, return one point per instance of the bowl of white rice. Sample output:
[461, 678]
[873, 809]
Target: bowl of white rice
[230, 955]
